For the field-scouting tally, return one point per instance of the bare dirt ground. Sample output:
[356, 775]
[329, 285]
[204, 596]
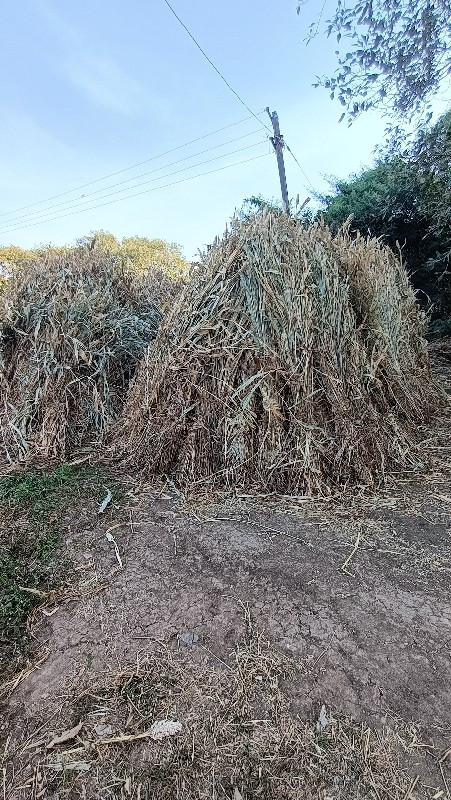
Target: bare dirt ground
[356, 591]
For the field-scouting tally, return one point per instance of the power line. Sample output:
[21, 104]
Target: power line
[215, 67]
[8, 223]
[146, 191]
[303, 172]
[144, 183]
[126, 169]
[231, 87]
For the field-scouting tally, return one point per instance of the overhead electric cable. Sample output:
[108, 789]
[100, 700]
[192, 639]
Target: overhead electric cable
[214, 66]
[302, 170]
[126, 169]
[144, 183]
[229, 86]
[30, 215]
[146, 191]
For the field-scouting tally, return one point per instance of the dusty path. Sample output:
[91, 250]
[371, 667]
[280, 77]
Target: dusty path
[376, 638]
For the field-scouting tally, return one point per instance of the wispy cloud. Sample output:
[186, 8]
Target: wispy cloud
[98, 76]
[105, 84]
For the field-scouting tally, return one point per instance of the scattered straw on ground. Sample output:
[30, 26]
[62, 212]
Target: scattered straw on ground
[230, 734]
[71, 330]
[295, 362]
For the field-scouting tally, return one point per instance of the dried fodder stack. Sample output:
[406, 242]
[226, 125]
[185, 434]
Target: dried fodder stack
[72, 328]
[294, 362]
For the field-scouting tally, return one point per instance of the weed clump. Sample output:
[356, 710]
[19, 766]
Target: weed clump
[31, 506]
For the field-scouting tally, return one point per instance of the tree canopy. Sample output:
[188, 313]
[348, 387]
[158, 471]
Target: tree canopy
[137, 252]
[15, 256]
[393, 55]
[407, 200]
[140, 253]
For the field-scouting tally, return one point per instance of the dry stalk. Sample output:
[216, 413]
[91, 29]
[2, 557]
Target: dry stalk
[71, 331]
[293, 363]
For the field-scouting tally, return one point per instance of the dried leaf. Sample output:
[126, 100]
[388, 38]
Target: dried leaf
[75, 766]
[105, 502]
[159, 730]
[65, 736]
[102, 730]
[323, 720]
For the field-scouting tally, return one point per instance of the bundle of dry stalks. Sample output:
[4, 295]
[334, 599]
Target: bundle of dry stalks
[294, 362]
[72, 328]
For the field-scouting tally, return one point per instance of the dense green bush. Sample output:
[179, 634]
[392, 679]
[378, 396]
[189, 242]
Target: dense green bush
[406, 199]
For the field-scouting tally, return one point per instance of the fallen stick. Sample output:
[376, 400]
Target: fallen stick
[352, 554]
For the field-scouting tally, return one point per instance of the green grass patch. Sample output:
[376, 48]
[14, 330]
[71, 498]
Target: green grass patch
[32, 507]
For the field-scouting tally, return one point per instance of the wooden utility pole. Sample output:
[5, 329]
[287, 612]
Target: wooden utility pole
[278, 144]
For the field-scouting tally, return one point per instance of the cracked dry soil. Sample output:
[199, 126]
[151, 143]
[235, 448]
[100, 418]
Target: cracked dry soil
[373, 640]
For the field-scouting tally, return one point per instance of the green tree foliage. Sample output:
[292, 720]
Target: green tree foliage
[407, 200]
[256, 204]
[141, 253]
[12, 257]
[395, 55]
[137, 252]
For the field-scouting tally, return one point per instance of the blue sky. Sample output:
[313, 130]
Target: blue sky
[89, 88]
